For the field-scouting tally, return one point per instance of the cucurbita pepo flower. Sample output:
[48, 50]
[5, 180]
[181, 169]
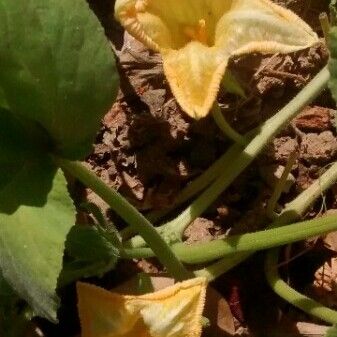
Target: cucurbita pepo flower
[175, 311]
[196, 38]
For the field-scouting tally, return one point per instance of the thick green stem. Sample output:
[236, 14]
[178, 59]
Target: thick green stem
[292, 212]
[206, 178]
[201, 253]
[223, 125]
[198, 184]
[208, 251]
[130, 214]
[292, 296]
[300, 204]
[220, 267]
[201, 182]
[253, 149]
[231, 171]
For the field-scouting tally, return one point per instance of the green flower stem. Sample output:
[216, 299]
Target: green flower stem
[130, 214]
[208, 251]
[201, 182]
[280, 186]
[205, 179]
[292, 212]
[296, 208]
[223, 125]
[292, 296]
[229, 172]
[197, 185]
[201, 253]
[214, 270]
[96, 212]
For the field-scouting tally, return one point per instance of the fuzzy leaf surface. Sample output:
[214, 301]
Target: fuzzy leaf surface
[32, 242]
[13, 146]
[87, 244]
[57, 68]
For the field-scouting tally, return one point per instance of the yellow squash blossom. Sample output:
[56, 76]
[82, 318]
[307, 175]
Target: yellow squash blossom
[175, 311]
[197, 37]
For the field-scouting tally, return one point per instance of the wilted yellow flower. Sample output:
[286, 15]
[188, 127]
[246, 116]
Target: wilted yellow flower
[175, 311]
[197, 37]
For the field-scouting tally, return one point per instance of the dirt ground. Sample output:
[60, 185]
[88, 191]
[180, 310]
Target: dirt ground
[148, 149]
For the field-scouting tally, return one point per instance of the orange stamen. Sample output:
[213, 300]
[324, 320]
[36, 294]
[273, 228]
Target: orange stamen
[198, 32]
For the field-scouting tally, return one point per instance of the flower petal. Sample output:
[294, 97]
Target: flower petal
[144, 26]
[103, 314]
[262, 26]
[194, 74]
[197, 37]
[162, 24]
[173, 312]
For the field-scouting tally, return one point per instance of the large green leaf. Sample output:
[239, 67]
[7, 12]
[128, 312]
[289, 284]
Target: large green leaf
[89, 253]
[26, 170]
[30, 185]
[13, 147]
[36, 214]
[57, 78]
[88, 244]
[57, 68]
[32, 243]
[14, 317]
[3, 101]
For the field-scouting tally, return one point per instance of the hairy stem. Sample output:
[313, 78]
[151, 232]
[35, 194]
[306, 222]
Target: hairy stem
[292, 296]
[201, 182]
[130, 214]
[292, 212]
[223, 125]
[230, 171]
[208, 251]
[198, 184]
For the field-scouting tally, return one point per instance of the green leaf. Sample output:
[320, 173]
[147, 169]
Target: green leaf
[19, 154]
[36, 214]
[87, 244]
[30, 185]
[105, 229]
[78, 269]
[13, 147]
[14, 317]
[89, 253]
[26, 170]
[57, 68]
[32, 242]
[6, 292]
[3, 101]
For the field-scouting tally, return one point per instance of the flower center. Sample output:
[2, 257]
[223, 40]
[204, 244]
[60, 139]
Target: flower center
[197, 32]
